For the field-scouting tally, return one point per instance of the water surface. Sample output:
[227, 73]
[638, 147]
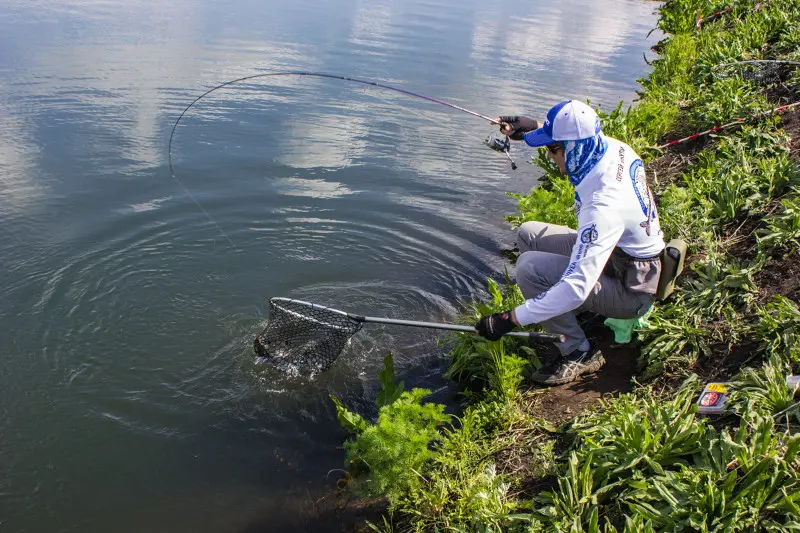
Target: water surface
[129, 399]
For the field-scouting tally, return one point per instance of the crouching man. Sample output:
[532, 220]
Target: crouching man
[610, 265]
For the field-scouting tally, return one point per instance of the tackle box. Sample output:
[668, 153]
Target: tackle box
[714, 396]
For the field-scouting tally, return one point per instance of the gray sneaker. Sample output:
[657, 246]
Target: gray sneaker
[570, 368]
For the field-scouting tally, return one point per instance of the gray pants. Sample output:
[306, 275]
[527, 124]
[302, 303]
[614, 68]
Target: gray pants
[544, 255]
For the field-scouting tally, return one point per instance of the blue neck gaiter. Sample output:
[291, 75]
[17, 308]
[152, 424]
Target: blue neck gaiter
[583, 155]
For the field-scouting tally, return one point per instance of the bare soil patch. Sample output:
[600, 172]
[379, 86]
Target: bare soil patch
[791, 124]
[561, 403]
[779, 277]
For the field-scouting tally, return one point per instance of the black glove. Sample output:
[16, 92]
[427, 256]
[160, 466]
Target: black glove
[495, 326]
[520, 125]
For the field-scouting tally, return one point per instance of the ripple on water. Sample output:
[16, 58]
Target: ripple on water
[124, 291]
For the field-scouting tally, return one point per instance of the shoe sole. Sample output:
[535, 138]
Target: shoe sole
[589, 368]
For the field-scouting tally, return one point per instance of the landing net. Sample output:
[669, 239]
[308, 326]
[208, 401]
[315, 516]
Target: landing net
[304, 336]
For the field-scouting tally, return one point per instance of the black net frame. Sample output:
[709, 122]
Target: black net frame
[303, 335]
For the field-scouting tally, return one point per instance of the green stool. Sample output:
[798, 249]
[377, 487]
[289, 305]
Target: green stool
[623, 328]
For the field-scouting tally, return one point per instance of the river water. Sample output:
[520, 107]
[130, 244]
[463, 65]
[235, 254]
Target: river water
[129, 397]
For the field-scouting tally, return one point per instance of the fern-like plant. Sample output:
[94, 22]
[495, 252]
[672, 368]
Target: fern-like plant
[386, 458]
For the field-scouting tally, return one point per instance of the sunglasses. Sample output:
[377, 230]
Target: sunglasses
[553, 148]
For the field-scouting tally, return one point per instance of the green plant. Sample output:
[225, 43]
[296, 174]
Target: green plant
[474, 360]
[639, 126]
[461, 497]
[677, 212]
[705, 311]
[674, 340]
[507, 373]
[761, 140]
[720, 286]
[386, 457]
[764, 391]
[352, 422]
[724, 100]
[778, 329]
[502, 299]
[463, 488]
[782, 231]
[553, 204]
[635, 524]
[391, 452]
[743, 172]
[575, 501]
[680, 16]
[641, 433]
[390, 392]
[725, 189]
[626, 439]
[746, 482]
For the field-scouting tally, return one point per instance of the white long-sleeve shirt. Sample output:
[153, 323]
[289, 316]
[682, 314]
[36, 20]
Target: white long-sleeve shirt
[614, 208]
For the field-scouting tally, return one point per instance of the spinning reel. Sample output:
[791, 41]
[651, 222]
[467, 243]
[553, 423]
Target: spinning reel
[501, 144]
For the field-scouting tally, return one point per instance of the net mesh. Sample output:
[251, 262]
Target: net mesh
[304, 336]
[759, 72]
[762, 73]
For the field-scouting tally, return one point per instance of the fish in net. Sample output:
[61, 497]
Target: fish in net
[303, 335]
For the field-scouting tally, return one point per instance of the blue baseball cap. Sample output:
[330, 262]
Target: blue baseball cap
[568, 121]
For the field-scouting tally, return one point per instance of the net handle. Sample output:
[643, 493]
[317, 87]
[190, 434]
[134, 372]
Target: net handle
[456, 327]
[418, 324]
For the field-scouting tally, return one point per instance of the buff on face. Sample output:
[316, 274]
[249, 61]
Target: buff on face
[582, 156]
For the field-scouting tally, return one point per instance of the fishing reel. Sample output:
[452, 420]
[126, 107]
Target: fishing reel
[500, 144]
[496, 143]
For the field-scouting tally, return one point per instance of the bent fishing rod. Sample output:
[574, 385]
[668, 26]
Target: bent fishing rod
[495, 144]
[316, 75]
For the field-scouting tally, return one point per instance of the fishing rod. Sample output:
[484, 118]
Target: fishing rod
[741, 120]
[725, 126]
[497, 145]
[316, 75]
[712, 16]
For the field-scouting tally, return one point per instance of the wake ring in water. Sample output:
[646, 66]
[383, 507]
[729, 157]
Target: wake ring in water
[296, 73]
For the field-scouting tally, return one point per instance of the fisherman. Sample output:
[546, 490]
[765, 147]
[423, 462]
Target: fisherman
[610, 265]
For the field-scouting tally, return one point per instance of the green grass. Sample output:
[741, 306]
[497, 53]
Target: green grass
[764, 390]
[781, 233]
[645, 463]
[552, 200]
[778, 329]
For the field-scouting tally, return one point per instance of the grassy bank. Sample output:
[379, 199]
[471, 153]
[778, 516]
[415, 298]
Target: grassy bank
[640, 459]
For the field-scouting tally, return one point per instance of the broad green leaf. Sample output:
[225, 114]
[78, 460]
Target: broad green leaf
[389, 391]
[349, 420]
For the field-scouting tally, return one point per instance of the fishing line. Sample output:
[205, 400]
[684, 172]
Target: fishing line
[495, 143]
[298, 73]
